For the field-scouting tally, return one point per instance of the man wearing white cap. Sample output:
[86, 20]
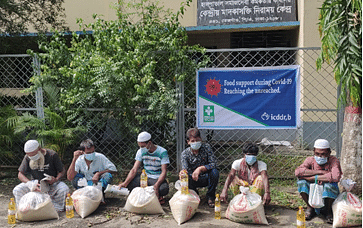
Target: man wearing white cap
[155, 159]
[39, 163]
[326, 169]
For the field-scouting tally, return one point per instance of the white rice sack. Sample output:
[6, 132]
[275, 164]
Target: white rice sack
[86, 200]
[246, 207]
[184, 206]
[143, 201]
[35, 206]
[347, 207]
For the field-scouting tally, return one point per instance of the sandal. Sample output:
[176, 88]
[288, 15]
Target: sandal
[310, 214]
[210, 203]
[329, 218]
[161, 200]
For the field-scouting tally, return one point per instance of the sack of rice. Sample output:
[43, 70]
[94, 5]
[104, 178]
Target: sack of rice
[86, 200]
[183, 206]
[246, 207]
[143, 201]
[35, 206]
[347, 207]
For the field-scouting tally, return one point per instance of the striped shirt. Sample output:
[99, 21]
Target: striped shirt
[153, 161]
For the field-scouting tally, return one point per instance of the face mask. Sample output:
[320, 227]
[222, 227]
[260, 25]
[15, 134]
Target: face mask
[35, 157]
[320, 161]
[90, 156]
[144, 150]
[196, 145]
[251, 159]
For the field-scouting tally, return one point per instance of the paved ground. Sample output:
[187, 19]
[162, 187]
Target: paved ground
[113, 215]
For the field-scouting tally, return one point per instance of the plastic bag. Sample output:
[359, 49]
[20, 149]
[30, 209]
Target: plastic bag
[113, 191]
[86, 200]
[347, 207]
[246, 207]
[183, 206]
[143, 201]
[35, 206]
[316, 194]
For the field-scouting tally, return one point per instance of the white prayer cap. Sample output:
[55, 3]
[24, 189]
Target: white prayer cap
[143, 137]
[30, 146]
[321, 144]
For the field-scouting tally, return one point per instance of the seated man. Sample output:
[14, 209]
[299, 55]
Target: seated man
[37, 162]
[93, 166]
[328, 171]
[200, 163]
[248, 172]
[155, 160]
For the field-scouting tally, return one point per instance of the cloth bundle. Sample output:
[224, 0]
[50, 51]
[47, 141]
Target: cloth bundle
[143, 201]
[86, 200]
[35, 206]
[347, 207]
[246, 207]
[183, 206]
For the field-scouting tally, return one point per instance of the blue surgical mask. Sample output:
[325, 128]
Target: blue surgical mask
[90, 156]
[320, 160]
[144, 150]
[251, 159]
[196, 145]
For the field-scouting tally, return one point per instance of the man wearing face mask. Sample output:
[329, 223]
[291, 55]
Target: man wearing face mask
[94, 167]
[200, 163]
[248, 172]
[328, 172]
[37, 162]
[155, 160]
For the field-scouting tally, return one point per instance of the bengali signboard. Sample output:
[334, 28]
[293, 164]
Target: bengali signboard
[248, 98]
[230, 12]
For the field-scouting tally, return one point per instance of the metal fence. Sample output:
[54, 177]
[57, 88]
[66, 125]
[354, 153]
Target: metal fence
[281, 149]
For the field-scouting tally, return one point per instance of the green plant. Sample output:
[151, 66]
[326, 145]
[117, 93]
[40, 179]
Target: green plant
[132, 64]
[7, 136]
[51, 132]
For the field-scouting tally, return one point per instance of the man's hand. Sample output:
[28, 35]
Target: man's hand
[224, 197]
[77, 153]
[196, 173]
[52, 181]
[37, 188]
[122, 185]
[266, 198]
[96, 177]
[156, 190]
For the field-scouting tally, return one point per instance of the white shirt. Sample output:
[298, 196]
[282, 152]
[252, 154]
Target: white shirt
[99, 163]
[237, 163]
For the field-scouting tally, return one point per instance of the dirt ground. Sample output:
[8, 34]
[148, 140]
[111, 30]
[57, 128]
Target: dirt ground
[113, 215]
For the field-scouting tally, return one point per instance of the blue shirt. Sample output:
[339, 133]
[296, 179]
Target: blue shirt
[153, 161]
[99, 163]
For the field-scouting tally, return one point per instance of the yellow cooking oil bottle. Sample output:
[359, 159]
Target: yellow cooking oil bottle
[300, 218]
[69, 206]
[184, 182]
[12, 212]
[217, 207]
[143, 179]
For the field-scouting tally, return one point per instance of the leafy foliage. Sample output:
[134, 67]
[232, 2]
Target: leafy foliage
[7, 136]
[17, 16]
[340, 28]
[51, 131]
[132, 65]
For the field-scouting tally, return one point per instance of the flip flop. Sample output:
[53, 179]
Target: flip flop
[329, 219]
[211, 203]
[310, 214]
[161, 200]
